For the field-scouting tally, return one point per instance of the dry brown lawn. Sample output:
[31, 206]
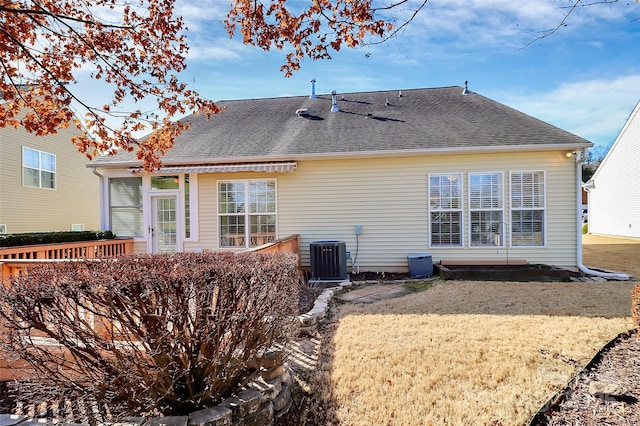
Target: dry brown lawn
[468, 353]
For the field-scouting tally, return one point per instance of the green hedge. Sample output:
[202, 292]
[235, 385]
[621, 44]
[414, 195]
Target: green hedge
[27, 239]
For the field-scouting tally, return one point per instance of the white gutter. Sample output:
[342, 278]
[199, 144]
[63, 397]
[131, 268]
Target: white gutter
[168, 162]
[581, 156]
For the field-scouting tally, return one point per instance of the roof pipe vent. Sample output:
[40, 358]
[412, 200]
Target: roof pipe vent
[400, 93]
[313, 89]
[387, 103]
[334, 106]
[466, 91]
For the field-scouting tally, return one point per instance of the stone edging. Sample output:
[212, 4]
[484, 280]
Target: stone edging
[264, 399]
[321, 305]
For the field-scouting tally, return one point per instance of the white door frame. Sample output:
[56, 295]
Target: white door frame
[151, 222]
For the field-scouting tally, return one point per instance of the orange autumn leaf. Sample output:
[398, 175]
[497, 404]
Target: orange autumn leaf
[138, 48]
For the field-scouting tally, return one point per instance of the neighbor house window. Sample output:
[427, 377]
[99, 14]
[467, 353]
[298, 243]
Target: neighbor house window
[486, 209]
[77, 227]
[527, 208]
[125, 206]
[3, 229]
[445, 209]
[38, 168]
[246, 212]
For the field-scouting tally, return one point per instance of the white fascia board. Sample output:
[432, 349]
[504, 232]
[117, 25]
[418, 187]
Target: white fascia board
[354, 155]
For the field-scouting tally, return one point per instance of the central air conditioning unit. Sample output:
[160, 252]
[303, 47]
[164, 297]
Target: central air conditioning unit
[328, 260]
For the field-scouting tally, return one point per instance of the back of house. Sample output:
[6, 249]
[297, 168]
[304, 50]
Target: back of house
[440, 172]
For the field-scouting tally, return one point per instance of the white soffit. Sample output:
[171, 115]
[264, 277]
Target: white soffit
[234, 168]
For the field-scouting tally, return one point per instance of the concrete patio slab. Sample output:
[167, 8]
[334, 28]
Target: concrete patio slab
[374, 293]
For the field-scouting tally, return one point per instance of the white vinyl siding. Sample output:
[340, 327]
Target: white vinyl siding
[527, 208]
[445, 206]
[247, 213]
[614, 198]
[486, 194]
[38, 168]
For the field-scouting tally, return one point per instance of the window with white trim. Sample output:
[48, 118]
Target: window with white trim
[527, 208]
[246, 212]
[125, 206]
[77, 227]
[38, 168]
[445, 209]
[3, 229]
[486, 209]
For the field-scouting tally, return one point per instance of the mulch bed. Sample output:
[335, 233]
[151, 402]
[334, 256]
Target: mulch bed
[606, 392]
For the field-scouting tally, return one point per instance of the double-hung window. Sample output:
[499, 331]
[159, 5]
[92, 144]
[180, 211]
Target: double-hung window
[527, 208]
[445, 209]
[486, 209]
[38, 168]
[246, 212]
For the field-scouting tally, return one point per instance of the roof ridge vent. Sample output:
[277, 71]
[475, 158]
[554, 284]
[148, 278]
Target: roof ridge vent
[334, 106]
[313, 89]
[466, 91]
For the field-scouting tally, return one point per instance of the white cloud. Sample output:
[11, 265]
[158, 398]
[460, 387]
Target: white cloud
[469, 25]
[198, 16]
[220, 49]
[594, 109]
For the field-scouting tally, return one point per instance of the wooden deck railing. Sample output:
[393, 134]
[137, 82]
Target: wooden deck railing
[288, 244]
[15, 259]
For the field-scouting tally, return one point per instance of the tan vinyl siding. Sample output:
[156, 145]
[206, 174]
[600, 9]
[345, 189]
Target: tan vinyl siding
[75, 199]
[324, 200]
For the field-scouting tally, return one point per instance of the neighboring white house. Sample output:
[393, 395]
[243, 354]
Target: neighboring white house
[442, 171]
[614, 189]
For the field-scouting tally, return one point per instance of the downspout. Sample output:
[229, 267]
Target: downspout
[581, 157]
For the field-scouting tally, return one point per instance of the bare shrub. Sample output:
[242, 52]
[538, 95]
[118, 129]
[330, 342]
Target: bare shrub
[164, 333]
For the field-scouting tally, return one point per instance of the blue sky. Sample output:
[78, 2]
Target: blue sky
[585, 78]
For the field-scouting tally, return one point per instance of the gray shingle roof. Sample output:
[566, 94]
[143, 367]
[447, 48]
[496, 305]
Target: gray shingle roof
[422, 120]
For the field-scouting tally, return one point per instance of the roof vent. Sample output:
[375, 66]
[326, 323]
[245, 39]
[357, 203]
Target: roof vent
[313, 89]
[334, 106]
[369, 115]
[400, 93]
[466, 91]
[302, 112]
[387, 103]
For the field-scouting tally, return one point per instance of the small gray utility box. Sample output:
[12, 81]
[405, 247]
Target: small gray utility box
[420, 265]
